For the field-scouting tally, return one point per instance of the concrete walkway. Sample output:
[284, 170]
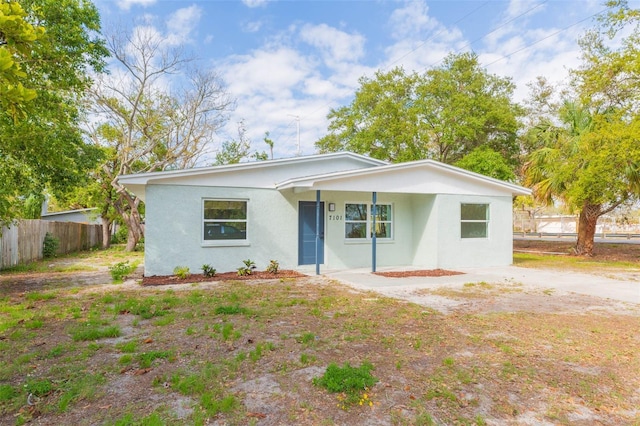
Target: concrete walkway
[625, 289]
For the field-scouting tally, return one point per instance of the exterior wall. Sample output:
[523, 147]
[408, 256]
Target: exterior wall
[457, 252]
[81, 216]
[425, 231]
[174, 227]
[341, 253]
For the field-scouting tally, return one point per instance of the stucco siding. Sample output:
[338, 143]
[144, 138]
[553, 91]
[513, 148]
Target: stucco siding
[456, 252]
[174, 229]
[425, 230]
[342, 253]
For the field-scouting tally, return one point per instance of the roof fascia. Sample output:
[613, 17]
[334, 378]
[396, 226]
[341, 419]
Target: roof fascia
[144, 178]
[309, 181]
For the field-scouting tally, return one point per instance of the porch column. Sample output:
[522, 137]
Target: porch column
[318, 240]
[374, 208]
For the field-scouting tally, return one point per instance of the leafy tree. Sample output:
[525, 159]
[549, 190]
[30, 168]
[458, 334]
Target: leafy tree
[234, 151]
[270, 143]
[486, 161]
[587, 163]
[382, 120]
[444, 114]
[17, 37]
[149, 122]
[591, 160]
[54, 45]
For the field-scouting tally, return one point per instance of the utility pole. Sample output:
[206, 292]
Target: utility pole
[297, 117]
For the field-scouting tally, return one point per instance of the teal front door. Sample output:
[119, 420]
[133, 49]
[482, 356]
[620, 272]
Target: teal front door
[307, 233]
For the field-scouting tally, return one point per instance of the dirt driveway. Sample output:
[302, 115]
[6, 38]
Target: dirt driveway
[506, 289]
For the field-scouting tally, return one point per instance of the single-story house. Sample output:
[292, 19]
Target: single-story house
[325, 212]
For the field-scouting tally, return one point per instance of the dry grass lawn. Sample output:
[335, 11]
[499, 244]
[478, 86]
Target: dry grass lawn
[247, 353]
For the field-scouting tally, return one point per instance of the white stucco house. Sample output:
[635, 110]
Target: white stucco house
[325, 212]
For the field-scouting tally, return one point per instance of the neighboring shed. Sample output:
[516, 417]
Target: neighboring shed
[320, 212]
[91, 216]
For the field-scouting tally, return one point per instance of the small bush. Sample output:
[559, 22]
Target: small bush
[120, 270]
[351, 381]
[182, 272]
[50, 246]
[208, 271]
[247, 269]
[273, 267]
[120, 236]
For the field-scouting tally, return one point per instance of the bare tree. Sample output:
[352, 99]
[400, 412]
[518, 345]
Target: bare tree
[154, 111]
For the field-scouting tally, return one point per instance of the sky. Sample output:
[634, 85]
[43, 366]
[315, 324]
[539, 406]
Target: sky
[288, 63]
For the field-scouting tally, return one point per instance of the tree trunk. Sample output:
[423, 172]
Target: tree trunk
[587, 228]
[106, 233]
[134, 228]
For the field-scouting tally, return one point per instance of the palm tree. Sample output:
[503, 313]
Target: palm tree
[583, 164]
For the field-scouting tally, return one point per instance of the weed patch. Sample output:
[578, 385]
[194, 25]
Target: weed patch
[352, 382]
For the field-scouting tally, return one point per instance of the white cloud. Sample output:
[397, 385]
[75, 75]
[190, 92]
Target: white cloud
[411, 20]
[181, 23]
[252, 27]
[255, 3]
[422, 41]
[126, 4]
[275, 72]
[336, 46]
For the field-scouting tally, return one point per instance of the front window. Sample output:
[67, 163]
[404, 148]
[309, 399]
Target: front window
[474, 220]
[225, 220]
[358, 221]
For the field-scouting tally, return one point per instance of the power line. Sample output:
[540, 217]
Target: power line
[278, 129]
[545, 38]
[473, 42]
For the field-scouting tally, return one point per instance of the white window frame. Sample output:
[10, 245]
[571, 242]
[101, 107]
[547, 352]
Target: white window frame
[224, 242]
[368, 221]
[484, 221]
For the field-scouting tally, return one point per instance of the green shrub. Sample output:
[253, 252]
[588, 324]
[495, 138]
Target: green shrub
[50, 246]
[120, 270]
[120, 236]
[182, 272]
[247, 269]
[351, 381]
[273, 267]
[208, 271]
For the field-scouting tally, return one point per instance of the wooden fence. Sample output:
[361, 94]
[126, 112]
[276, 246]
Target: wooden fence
[22, 241]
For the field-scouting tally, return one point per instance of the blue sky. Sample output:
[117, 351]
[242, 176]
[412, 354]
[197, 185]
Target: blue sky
[282, 59]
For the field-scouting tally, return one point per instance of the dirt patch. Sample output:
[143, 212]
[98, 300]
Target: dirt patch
[418, 273]
[617, 252]
[225, 276]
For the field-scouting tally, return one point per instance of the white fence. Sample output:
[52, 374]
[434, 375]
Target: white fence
[23, 241]
[567, 225]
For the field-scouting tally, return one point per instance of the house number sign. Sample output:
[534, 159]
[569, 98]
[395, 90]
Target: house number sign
[335, 217]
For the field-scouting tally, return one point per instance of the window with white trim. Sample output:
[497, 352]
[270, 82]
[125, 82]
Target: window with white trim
[224, 220]
[358, 221]
[474, 220]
